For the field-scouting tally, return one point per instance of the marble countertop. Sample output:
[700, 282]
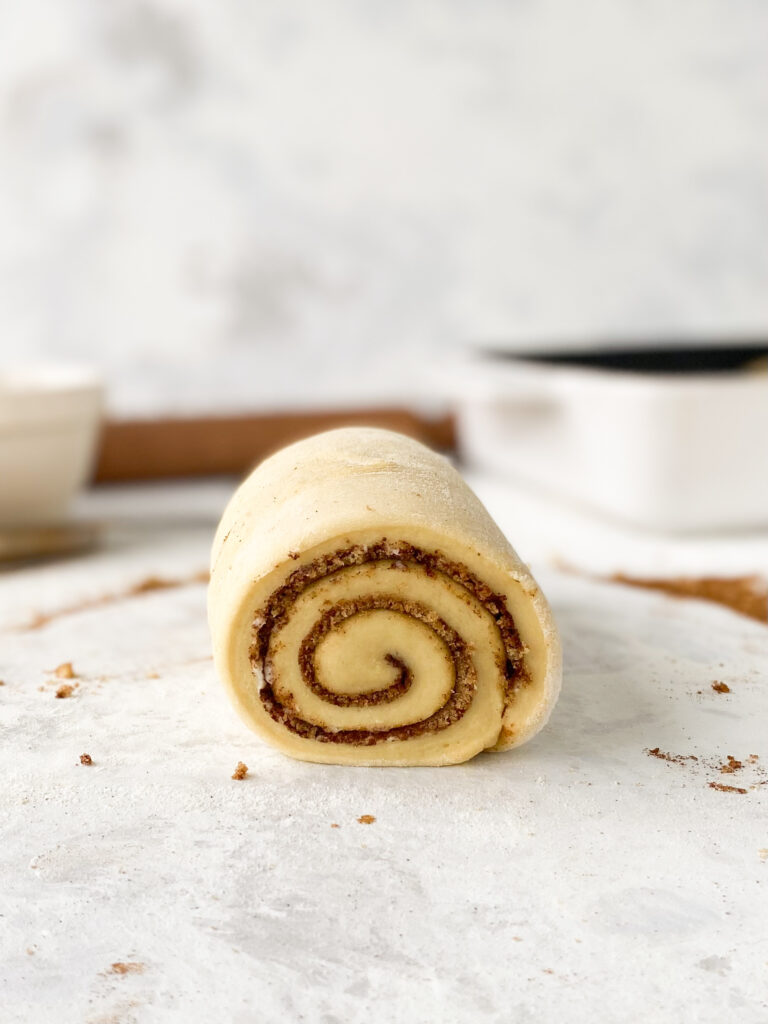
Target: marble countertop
[578, 878]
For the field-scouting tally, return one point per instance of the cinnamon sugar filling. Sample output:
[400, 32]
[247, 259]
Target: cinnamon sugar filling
[401, 555]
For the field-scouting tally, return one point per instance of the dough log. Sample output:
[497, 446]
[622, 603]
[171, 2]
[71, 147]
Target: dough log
[365, 609]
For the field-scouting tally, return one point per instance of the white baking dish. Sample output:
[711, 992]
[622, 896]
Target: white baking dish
[669, 452]
[49, 419]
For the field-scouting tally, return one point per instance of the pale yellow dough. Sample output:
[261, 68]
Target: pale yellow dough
[352, 489]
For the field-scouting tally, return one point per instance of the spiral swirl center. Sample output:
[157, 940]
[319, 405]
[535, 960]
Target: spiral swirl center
[394, 570]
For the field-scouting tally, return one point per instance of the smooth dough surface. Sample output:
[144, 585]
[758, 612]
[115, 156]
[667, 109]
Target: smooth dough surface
[365, 609]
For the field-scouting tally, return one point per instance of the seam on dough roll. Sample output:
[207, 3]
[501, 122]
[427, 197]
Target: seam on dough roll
[365, 609]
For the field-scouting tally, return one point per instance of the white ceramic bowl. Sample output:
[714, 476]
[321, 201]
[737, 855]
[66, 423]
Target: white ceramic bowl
[49, 422]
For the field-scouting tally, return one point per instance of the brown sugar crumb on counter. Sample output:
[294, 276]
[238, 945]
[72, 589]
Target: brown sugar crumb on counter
[126, 968]
[719, 687]
[726, 789]
[672, 758]
[366, 819]
[65, 690]
[152, 583]
[65, 671]
[241, 770]
[145, 586]
[747, 595]
[731, 765]
[86, 759]
[334, 825]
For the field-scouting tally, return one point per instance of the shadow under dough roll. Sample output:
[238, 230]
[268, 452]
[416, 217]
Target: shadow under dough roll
[365, 609]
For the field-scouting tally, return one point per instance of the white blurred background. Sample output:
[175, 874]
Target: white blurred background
[240, 205]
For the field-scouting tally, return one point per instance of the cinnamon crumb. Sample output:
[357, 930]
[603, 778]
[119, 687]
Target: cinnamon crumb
[240, 771]
[747, 595]
[153, 675]
[65, 671]
[763, 854]
[2, 682]
[672, 758]
[731, 765]
[726, 789]
[334, 825]
[366, 819]
[65, 690]
[86, 759]
[127, 968]
[145, 586]
[151, 583]
[719, 687]
[294, 555]
[753, 758]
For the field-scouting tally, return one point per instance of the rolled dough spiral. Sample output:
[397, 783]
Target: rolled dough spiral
[365, 609]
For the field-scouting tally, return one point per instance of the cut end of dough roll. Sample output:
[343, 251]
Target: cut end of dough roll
[365, 609]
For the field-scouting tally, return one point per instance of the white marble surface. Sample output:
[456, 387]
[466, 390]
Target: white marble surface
[237, 204]
[576, 879]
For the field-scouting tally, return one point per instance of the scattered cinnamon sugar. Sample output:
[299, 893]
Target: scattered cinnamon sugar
[149, 585]
[747, 595]
[240, 771]
[65, 671]
[334, 825]
[145, 586]
[366, 819]
[2, 682]
[719, 687]
[672, 758]
[127, 968]
[731, 765]
[65, 690]
[86, 759]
